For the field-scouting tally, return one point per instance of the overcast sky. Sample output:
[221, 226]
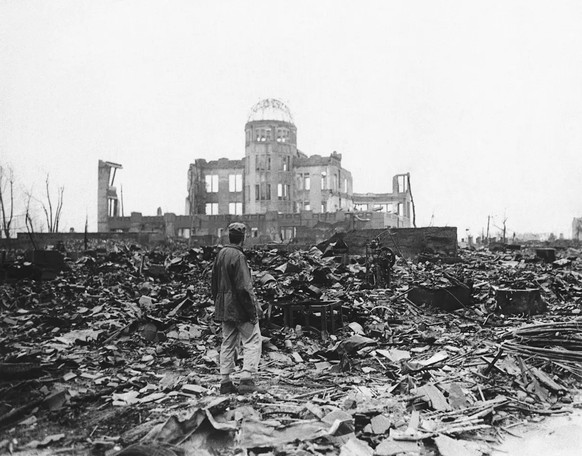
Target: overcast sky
[481, 101]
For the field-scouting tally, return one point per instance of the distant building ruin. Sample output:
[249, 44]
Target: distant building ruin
[107, 200]
[276, 189]
[577, 228]
[276, 176]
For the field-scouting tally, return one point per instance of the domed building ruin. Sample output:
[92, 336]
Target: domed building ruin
[279, 192]
[275, 176]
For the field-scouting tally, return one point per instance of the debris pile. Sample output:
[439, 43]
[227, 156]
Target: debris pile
[118, 354]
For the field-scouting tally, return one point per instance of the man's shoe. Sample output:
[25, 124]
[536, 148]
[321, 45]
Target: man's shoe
[247, 386]
[228, 388]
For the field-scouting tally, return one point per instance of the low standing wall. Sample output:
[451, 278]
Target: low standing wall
[408, 241]
[74, 240]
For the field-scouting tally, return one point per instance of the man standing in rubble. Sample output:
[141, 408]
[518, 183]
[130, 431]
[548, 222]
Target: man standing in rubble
[237, 309]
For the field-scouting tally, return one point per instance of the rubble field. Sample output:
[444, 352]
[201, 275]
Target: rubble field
[118, 354]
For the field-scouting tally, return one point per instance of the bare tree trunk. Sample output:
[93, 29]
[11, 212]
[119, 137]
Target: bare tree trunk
[52, 217]
[57, 219]
[7, 212]
[29, 225]
[50, 225]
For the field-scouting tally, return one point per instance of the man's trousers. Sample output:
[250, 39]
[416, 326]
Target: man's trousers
[232, 334]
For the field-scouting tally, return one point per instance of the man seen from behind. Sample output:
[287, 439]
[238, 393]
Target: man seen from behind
[237, 309]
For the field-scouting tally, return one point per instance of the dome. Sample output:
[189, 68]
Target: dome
[271, 109]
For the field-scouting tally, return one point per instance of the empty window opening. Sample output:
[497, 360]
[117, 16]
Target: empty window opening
[235, 182]
[288, 233]
[282, 135]
[262, 192]
[211, 183]
[211, 208]
[112, 207]
[285, 164]
[283, 191]
[262, 163]
[261, 135]
[402, 183]
[235, 208]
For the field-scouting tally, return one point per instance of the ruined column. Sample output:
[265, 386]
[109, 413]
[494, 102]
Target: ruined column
[107, 200]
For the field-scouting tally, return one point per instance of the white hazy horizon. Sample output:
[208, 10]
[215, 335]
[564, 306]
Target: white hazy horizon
[481, 102]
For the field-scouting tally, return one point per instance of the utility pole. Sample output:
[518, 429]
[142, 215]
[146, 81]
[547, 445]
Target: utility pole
[412, 201]
[122, 212]
[488, 221]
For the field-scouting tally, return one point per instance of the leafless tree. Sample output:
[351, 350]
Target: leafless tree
[28, 220]
[52, 212]
[504, 229]
[6, 199]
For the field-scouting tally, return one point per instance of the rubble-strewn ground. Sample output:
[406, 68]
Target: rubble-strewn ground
[119, 354]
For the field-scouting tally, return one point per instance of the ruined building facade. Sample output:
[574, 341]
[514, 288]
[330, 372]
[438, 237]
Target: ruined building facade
[275, 176]
[278, 191]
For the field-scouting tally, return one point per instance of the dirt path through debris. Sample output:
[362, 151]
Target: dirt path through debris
[556, 436]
